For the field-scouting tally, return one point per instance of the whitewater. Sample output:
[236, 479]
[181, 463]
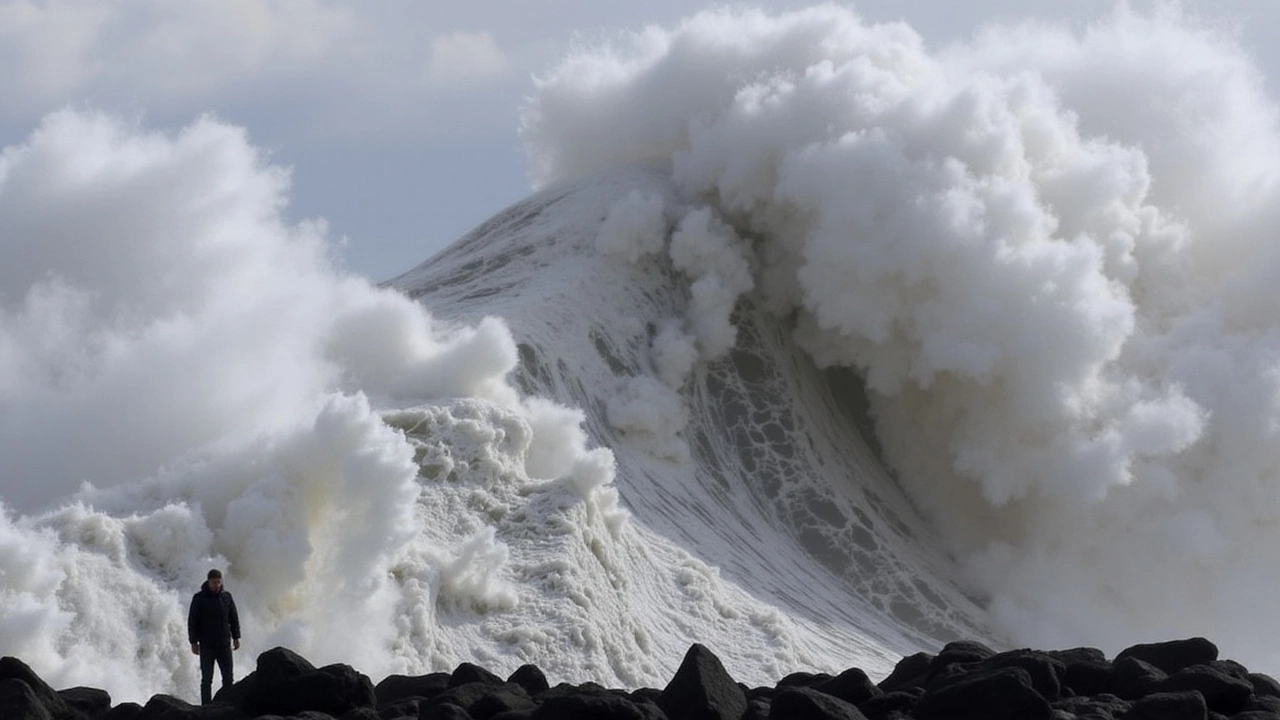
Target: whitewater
[815, 345]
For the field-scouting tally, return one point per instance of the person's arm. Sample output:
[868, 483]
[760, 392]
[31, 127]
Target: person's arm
[234, 617]
[191, 627]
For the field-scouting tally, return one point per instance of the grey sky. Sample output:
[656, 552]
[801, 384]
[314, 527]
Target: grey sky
[399, 119]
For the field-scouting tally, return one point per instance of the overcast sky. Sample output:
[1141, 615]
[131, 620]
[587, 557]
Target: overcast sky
[399, 119]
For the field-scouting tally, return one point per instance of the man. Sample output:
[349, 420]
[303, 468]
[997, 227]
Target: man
[213, 629]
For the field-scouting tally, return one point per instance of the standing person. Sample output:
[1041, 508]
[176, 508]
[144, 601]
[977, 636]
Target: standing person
[213, 629]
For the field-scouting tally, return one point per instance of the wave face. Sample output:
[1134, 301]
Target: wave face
[818, 347]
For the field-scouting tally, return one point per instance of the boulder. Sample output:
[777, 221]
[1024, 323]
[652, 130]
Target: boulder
[702, 689]
[284, 683]
[1043, 670]
[531, 679]
[467, 673]
[911, 671]
[1173, 655]
[806, 703]
[19, 702]
[53, 704]
[1222, 692]
[443, 711]
[1132, 677]
[1264, 685]
[606, 706]
[853, 686]
[1086, 677]
[886, 705]
[1169, 706]
[123, 711]
[89, 701]
[394, 688]
[1002, 693]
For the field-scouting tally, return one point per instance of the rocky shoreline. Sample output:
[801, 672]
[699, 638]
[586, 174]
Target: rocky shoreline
[1174, 680]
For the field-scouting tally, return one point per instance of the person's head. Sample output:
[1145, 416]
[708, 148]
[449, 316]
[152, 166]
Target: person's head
[214, 580]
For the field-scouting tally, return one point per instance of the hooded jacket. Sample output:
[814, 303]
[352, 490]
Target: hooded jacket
[213, 619]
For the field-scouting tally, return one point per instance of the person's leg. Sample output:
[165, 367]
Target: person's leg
[225, 664]
[207, 656]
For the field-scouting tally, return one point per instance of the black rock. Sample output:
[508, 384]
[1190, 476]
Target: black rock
[702, 690]
[884, 706]
[167, 707]
[284, 683]
[361, 713]
[1100, 706]
[803, 679]
[985, 695]
[531, 679]
[483, 700]
[1173, 655]
[1132, 678]
[90, 701]
[758, 709]
[1222, 693]
[53, 704]
[1077, 654]
[1044, 671]
[19, 702]
[1264, 685]
[1264, 703]
[911, 671]
[961, 651]
[394, 688]
[853, 686]
[1255, 715]
[443, 711]
[123, 711]
[1169, 706]
[1086, 677]
[404, 707]
[514, 715]
[806, 703]
[469, 673]
[606, 706]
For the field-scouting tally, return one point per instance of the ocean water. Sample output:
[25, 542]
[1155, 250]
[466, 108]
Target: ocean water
[814, 344]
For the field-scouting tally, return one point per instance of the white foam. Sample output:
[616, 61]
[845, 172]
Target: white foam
[1049, 250]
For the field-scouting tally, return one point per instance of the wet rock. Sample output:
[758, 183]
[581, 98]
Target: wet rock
[806, 703]
[1173, 655]
[853, 686]
[702, 690]
[985, 695]
[394, 688]
[1169, 706]
[531, 679]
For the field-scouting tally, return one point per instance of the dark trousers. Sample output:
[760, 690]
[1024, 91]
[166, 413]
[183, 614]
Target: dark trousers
[209, 654]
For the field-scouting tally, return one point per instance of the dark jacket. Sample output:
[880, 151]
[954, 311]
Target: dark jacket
[213, 619]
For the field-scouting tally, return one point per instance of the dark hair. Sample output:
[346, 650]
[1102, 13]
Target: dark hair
[214, 573]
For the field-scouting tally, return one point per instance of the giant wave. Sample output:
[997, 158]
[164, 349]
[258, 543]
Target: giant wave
[817, 347]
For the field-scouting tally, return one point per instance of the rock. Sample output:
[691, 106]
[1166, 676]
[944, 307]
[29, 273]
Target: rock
[1077, 654]
[884, 706]
[1104, 705]
[985, 695]
[1255, 715]
[803, 679]
[1169, 706]
[284, 683]
[961, 651]
[593, 707]
[123, 711]
[1132, 678]
[443, 711]
[806, 703]
[702, 690]
[1043, 670]
[1086, 677]
[853, 686]
[1222, 693]
[531, 679]
[758, 709]
[1173, 655]
[89, 701]
[1264, 703]
[394, 688]
[53, 704]
[911, 671]
[1264, 685]
[404, 707]
[468, 673]
[167, 707]
[19, 702]
[499, 699]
